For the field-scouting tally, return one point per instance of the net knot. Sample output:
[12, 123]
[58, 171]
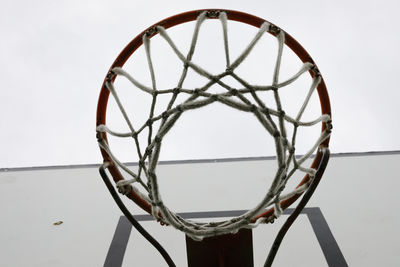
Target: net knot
[124, 187]
[314, 69]
[329, 126]
[271, 219]
[179, 108]
[285, 142]
[151, 31]
[99, 136]
[274, 29]
[253, 108]
[149, 122]
[214, 79]
[110, 75]
[234, 92]
[147, 151]
[141, 163]
[196, 91]
[213, 14]
[164, 115]
[276, 134]
[157, 139]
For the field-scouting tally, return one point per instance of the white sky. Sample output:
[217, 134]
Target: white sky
[55, 54]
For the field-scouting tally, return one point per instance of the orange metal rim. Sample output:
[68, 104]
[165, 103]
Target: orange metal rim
[187, 17]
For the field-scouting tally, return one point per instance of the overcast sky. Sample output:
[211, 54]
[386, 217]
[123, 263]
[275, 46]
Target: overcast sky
[55, 54]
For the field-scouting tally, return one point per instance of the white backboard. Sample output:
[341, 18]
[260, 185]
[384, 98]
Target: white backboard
[344, 217]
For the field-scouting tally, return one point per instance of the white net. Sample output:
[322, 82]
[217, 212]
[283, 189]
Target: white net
[246, 99]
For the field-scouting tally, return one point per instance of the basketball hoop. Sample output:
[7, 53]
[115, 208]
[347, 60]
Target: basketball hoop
[245, 99]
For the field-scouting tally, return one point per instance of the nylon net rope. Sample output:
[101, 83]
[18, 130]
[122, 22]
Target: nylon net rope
[237, 98]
